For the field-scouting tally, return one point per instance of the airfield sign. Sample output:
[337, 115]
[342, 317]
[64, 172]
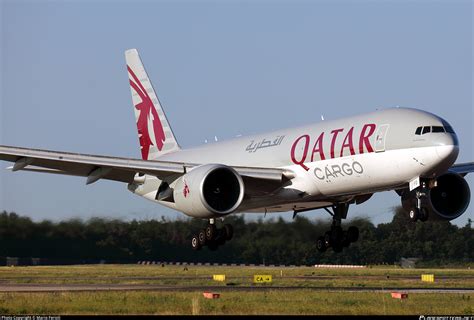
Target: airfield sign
[262, 278]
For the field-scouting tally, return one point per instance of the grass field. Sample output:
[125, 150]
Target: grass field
[273, 301]
[301, 302]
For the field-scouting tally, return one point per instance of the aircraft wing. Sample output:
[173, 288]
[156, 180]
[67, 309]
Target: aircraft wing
[462, 168]
[120, 169]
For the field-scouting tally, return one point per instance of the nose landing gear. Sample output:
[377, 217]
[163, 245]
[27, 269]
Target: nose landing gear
[420, 212]
[416, 214]
[417, 208]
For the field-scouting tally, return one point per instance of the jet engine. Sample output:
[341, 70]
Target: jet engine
[447, 200]
[209, 191]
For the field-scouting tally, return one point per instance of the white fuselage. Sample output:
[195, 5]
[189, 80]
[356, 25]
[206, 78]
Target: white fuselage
[332, 160]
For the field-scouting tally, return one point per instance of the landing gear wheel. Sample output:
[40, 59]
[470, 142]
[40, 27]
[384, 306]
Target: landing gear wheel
[337, 238]
[220, 241]
[423, 214]
[195, 243]
[212, 245]
[202, 237]
[228, 232]
[414, 214]
[212, 237]
[211, 232]
[337, 247]
[353, 234]
[345, 239]
[321, 244]
[336, 235]
[327, 239]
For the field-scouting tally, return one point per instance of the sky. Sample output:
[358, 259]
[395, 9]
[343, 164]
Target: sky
[220, 68]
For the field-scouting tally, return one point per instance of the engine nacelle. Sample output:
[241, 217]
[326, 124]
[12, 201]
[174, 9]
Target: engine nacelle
[447, 200]
[209, 191]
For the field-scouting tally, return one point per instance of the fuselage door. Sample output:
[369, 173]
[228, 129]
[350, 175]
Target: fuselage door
[380, 138]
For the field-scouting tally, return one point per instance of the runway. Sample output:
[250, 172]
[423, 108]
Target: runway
[204, 277]
[4, 288]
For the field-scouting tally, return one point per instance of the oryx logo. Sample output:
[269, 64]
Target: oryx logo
[185, 189]
[148, 117]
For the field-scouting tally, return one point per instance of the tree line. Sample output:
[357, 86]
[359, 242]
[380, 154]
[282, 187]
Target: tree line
[269, 241]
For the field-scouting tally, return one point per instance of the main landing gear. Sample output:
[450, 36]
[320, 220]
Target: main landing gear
[211, 236]
[337, 238]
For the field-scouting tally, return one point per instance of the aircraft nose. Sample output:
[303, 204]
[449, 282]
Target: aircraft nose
[448, 152]
[447, 147]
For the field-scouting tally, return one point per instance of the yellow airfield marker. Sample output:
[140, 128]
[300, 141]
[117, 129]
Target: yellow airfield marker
[258, 278]
[219, 277]
[427, 277]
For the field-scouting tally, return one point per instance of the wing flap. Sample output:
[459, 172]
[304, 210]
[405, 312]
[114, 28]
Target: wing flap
[124, 169]
[113, 174]
[82, 165]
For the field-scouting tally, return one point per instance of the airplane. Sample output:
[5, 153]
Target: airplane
[327, 165]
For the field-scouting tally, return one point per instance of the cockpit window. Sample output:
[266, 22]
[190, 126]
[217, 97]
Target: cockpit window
[434, 129]
[449, 129]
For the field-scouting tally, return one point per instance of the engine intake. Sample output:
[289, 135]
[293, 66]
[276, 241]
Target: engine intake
[208, 191]
[448, 200]
[451, 197]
